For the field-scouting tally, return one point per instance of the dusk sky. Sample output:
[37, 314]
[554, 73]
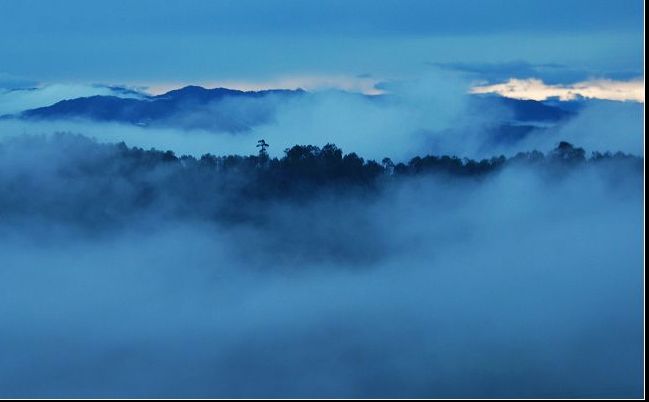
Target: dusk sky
[339, 43]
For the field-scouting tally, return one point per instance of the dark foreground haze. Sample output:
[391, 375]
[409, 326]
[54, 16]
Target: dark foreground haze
[126, 272]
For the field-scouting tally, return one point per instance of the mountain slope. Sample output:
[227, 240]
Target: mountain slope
[169, 109]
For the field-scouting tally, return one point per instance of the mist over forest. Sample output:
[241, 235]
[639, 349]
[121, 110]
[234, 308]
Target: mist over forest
[132, 272]
[322, 199]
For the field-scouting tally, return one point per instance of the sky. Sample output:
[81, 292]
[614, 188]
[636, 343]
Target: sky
[345, 44]
[431, 56]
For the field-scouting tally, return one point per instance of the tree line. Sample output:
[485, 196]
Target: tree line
[91, 183]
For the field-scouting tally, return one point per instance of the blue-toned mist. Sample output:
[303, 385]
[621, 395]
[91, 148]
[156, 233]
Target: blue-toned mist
[525, 283]
[165, 240]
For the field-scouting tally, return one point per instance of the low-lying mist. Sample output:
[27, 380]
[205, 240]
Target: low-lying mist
[525, 282]
[431, 113]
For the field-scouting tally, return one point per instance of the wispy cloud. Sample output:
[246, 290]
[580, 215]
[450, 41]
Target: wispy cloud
[535, 89]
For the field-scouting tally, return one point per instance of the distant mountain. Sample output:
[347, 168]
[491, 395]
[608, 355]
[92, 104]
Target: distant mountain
[516, 119]
[188, 107]
[222, 109]
[520, 110]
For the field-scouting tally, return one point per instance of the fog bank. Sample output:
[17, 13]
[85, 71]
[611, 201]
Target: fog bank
[524, 284]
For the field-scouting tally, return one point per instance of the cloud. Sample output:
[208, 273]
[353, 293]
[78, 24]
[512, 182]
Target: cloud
[550, 73]
[599, 126]
[9, 82]
[536, 89]
[502, 71]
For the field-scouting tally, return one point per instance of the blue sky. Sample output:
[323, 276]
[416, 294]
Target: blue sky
[152, 43]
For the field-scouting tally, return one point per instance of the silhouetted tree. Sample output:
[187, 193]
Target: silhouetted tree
[263, 153]
[566, 152]
[388, 165]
